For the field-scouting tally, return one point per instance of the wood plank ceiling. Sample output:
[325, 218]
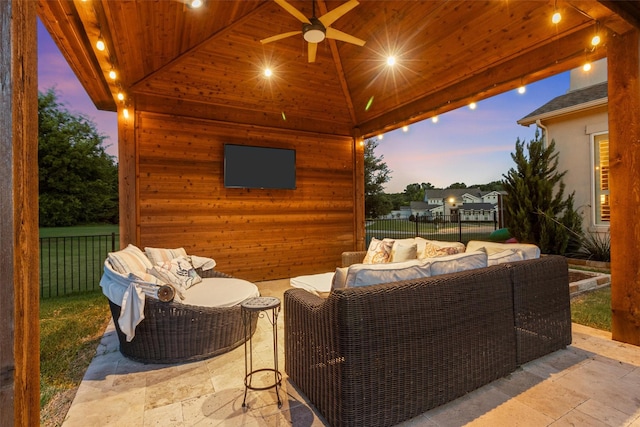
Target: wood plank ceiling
[209, 62]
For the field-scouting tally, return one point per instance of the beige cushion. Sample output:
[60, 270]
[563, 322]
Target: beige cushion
[373, 274]
[458, 262]
[157, 255]
[529, 251]
[403, 251]
[379, 251]
[128, 260]
[313, 283]
[508, 255]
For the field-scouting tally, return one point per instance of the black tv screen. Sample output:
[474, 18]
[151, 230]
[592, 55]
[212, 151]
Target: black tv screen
[247, 166]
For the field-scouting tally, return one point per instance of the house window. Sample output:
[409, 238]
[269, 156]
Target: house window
[601, 178]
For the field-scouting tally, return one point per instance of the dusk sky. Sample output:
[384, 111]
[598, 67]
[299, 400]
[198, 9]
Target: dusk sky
[470, 146]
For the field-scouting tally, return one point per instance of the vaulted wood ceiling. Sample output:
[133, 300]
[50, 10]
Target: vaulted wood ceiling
[209, 62]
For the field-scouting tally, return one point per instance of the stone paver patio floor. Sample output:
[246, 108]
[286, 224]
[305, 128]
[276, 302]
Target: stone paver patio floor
[593, 382]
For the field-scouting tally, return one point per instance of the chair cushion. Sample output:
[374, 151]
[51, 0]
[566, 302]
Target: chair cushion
[458, 262]
[373, 274]
[157, 255]
[129, 260]
[508, 255]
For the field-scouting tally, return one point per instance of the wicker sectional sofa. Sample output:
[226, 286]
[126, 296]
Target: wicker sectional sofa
[381, 354]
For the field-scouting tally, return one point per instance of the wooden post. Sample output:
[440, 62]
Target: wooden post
[358, 191]
[19, 278]
[624, 147]
[128, 178]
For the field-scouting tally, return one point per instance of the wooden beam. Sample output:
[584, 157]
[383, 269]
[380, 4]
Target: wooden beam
[19, 299]
[624, 160]
[358, 192]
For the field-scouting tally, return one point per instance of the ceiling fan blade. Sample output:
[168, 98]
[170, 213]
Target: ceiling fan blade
[279, 37]
[293, 11]
[313, 48]
[333, 15]
[334, 34]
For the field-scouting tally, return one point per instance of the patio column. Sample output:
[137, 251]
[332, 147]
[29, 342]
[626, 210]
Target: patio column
[624, 146]
[128, 178]
[19, 278]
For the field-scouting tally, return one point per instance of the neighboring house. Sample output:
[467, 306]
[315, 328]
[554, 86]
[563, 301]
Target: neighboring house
[466, 204]
[578, 123]
[403, 213]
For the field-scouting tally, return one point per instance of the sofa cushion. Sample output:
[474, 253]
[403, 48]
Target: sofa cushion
[314, 283]
[339, 278]
[129, 260]
[508, 255]
[373, 274]
[379, 251]
[458, 262]
[529, 251]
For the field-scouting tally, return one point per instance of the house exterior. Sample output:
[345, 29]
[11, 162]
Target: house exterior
[578, 123]
[467, 204]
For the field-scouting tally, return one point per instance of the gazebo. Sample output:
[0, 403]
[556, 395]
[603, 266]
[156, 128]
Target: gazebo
[190, 80]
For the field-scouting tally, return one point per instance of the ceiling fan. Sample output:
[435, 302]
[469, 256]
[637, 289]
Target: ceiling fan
[315, 30]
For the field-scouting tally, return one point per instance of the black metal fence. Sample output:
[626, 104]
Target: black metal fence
[73, 264]
[452, 228]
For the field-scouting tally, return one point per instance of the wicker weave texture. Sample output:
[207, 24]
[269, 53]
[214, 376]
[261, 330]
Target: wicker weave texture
[382, 354]
[174, 332]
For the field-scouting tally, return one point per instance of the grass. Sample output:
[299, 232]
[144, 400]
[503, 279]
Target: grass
[593, 309]
[70, 330]
[80, 230]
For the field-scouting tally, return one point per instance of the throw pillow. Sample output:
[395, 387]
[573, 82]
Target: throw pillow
[509, 255]
[432, 250]
[178, 272]
[401, 251]
[129, 259]
[157, 255]
[379, 251]
[339, 278]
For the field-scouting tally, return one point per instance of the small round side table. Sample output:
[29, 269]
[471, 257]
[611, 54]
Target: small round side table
[260, 306]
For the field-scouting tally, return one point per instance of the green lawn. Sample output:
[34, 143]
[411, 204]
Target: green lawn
[70, 330]
[80, 230]
[593, 309]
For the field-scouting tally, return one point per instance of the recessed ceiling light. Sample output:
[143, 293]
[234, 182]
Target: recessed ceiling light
[268, 72]
[196, 4]
[391, 61]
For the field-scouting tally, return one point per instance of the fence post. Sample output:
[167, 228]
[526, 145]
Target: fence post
[459, 227]
[113, 242]
[416, 218]
[495, 220]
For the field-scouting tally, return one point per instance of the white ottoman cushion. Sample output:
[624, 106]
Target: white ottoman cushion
[219, 292]
[314, 283]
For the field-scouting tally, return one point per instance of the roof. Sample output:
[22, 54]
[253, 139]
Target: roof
[579, 99]
[209, 62]
[453, 192]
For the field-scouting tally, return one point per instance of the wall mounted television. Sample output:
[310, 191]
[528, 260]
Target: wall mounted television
[247, 166]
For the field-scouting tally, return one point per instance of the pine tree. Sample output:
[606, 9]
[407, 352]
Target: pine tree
[376, 174]
[535, 213]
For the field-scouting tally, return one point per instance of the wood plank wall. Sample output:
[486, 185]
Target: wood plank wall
[252, 234]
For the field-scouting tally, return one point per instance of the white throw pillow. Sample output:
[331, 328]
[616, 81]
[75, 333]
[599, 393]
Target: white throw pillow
[458, 262]
[403, 251]
[178, 272]
[157, 255]
[373, 274]
[508, 255]
[379, 251]
[129, 259]
[339, 278]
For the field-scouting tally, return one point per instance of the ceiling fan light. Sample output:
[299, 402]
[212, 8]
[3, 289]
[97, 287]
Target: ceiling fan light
[314, 32]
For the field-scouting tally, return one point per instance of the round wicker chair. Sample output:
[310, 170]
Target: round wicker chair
[172, 332]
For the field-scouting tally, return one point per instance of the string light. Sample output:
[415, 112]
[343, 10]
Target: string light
[195, 4]
[595, 41]
[405, 128]
[522, 89]
[125, 113]
[556, 18]
[100, 44]
[473, 106]
[435, 119]
[112, 74]
[586, 66]
[120, 96]
[381, 137]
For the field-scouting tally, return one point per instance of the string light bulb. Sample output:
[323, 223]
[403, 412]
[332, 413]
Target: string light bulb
[522, 89]
[435, 119]
[125, 113]
[195, 4]
[381, 137]
[473, 106]
[586, 66]
[100, 43]
[405, 128]
[120, 96]
[595, 41]
[112, 74]
[556, 18]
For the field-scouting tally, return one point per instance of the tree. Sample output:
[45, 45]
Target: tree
[535, 214]
[376, 174]
[78, 179]
[457, 185]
